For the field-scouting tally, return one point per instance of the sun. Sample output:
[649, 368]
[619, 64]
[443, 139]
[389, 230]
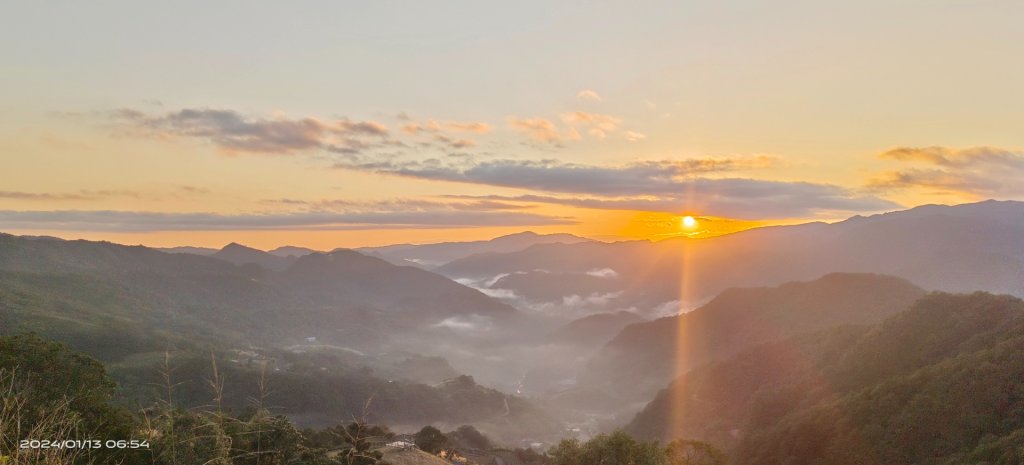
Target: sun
[689, 222]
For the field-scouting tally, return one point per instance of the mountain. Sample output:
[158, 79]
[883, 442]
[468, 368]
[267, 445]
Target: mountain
[937, 383]
[432, 255]
[393, 259]
[645, 356]
[242, 255]
[187, 249]
[959, 248]
[346, 298]
[316, 393]
[291, 251]
[325, 325]
[347, 277]
[594, 330]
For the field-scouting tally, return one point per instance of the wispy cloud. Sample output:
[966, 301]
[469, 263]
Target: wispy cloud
[233, 132]
[340, 215]
[432, 126]
[634, 136]
[21, 195]
[104, 194]
[595, 124]
[975, 171]
[589, 95]
[444, 133]
[537, 129]
[390, 205]
[734, 198]
[573, 125]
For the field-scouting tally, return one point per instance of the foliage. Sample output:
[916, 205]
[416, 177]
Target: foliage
[79, 407]
[468, 436]
[530, 456]
[20, 420]
[684, 452]
[941, 383]
[617, 448]
[430, 439]
[53, 393]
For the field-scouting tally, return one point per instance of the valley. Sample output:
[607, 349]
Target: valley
[542, 339]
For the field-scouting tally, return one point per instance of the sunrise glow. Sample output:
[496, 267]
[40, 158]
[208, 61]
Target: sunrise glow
[265, 146]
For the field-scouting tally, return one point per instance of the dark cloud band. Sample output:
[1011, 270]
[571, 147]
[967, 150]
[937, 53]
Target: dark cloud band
[669, 186]
[232, 131]
[131, 221]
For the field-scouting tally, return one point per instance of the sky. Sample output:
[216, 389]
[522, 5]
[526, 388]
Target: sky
[353, 123]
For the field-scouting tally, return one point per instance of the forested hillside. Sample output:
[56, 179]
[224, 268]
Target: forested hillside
[645, 356]
[941, 383]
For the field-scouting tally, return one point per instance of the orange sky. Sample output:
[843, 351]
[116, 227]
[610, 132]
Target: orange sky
[386, 123]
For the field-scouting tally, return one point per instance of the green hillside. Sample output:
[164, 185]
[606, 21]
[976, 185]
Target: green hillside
[942, 383]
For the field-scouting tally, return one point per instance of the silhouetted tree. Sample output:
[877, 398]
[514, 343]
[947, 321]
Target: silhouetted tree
[431, 439]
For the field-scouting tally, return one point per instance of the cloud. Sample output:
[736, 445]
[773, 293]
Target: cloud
[595, 299]
[468, 126]
[443, 133]
[674, 186]
[393, 205]
[634, 136]
[669, 308]
[589, 95]
[236, 133]
[658, 177]
[975, 171]
[468, 323]
[596, 124]
[606, 273]
[506, 294]
[576, 123]
[453, 142]
[537, 129]
[749, 199]
[20, 195]
[403, 215]
[433, 127]
[101, 194]
[958, 158]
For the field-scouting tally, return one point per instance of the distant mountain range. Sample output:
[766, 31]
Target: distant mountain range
[292, 251]
[420, 255]
[242, 255]
[958, 248]
[340, 297]
[326, 321]
[433, 255]
[590, 329]
[187, 249]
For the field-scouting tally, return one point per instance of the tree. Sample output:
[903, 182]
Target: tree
[617, 448]
[48, 377]
[468, 436]
[684, 452]
[567, 452]
[430, 439]
[358, 439]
